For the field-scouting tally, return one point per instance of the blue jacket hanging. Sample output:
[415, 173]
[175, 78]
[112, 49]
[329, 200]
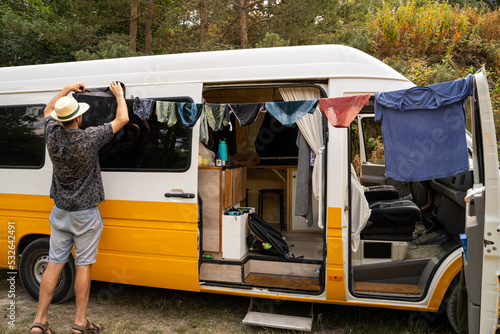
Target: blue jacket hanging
[424, 130]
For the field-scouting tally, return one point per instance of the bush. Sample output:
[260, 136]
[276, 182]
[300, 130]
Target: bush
[433, 31]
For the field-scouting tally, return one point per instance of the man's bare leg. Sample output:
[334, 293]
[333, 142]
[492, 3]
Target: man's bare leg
[47, 288]
[82, 292]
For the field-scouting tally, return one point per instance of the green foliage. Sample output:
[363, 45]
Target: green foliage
[321, 22]
[436, 30]
[113, 46]
[272, 40]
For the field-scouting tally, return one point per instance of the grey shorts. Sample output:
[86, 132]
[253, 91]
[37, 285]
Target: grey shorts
[82, 228]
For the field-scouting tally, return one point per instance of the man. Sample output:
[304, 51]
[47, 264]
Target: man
[77, 190]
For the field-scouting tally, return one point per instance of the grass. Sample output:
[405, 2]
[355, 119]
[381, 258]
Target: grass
[207, 313]
[132, 309]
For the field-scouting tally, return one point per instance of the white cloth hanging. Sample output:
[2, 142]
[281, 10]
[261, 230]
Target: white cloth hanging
[360, 210]
[311, 127]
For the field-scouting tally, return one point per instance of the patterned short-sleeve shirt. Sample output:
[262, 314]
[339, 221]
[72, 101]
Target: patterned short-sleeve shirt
[76, 180]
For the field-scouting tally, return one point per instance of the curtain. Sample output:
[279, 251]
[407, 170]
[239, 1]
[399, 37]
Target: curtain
[311, 127]
[360, 212]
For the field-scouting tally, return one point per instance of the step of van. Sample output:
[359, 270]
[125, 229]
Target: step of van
[275, 320]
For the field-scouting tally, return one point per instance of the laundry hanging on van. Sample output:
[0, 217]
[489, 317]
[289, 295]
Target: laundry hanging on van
[423, 129]
[204, 135]
[246, 113]
[165, 112]
[287, 113]
[341, 111]
[189, 113]
[303, 193]
[217, 115]
[143, 107]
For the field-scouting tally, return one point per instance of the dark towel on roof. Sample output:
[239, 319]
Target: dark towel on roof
[288, 113]
[246, 113]
[189, 112]
[424, 130]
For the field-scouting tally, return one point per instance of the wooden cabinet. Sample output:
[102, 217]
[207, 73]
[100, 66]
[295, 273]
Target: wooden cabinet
[219, 188]
[235, 186]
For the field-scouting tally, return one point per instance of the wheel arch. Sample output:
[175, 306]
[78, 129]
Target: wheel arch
[27, 239]
[444, 282]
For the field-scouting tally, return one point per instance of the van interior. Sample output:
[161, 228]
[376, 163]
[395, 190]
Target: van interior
[261, 175]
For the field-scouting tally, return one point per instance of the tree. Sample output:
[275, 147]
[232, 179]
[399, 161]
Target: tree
[242, 20]
[133, 25]
[203, 22]
[149, 22]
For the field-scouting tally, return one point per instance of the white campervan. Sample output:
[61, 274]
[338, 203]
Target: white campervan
[182, 196]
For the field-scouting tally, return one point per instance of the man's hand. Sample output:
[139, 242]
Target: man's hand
[75, 87]
[116, 89]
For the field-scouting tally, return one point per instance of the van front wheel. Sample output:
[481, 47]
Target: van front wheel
[32, 264]
[451, 299]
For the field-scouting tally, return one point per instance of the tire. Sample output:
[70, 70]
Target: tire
[32, 264]
[451, 300]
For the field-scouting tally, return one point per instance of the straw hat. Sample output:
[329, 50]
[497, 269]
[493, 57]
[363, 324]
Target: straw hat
[67, 108]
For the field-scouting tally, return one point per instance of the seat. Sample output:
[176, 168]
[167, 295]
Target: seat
[279, 192]
[381, 193]
[391, 220]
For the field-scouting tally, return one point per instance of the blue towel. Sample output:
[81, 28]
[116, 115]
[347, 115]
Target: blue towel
[288, 113]
[189, 112]
[424, 130]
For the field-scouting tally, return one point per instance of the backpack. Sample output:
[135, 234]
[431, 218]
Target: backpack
[263, 234]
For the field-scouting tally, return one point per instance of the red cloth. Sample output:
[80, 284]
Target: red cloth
[341, 111]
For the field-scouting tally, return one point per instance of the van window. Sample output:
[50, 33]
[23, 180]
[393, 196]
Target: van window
[22, 136]
[374, 145]
[147, 145]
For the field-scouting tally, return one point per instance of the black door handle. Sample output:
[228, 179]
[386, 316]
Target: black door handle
[180, 195]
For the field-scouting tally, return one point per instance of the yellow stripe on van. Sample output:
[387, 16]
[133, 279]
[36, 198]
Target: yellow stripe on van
[335, 281]
[142, 243]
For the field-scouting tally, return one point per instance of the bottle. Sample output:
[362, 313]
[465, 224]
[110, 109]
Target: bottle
[223, 149]
[208, 256]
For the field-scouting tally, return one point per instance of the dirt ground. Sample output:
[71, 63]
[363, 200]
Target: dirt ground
[132, 309]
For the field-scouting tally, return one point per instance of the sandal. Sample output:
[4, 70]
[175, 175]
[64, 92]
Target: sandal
[45, 328]
[89, 328]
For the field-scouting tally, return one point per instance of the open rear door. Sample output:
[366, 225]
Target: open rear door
[482, 265]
